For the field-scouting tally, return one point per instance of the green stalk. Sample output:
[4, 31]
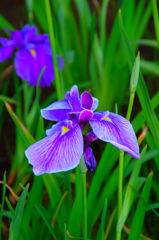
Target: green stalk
[131, 101]
[120, 186]
[84, 196]
[155, 18]
[121, 159]
[25, 92]
[53, 47]
[120, 189]
[84, 193]
[29, 5]
[133, 85]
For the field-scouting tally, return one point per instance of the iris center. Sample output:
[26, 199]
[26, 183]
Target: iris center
[32, 51]
[107, 119]
[64, 130]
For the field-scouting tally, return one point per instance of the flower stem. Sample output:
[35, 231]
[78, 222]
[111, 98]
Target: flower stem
[121, 159]
[120, 186]
[84, 197]
[53, 47]
[131, 101]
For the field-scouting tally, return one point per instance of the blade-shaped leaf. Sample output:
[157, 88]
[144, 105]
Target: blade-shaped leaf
[17, 217]
[42, 214]
[141, 89]
[141, 209]
[23, 131]
[129, 195]
[3, 197]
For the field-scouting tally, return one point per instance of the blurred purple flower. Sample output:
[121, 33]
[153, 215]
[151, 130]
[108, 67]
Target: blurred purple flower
[33, 53]
[64, 145]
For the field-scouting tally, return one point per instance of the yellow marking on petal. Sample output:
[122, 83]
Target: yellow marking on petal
[64, 130]
[32, 51]
[107, 119]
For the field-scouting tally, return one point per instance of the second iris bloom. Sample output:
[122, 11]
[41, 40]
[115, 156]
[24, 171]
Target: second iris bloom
[32, 55]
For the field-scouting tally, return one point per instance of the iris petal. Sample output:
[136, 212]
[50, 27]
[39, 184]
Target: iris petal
[85, 115]
[57, 152]
[87, 100]
[6, 52]
[95, 104]
[74, 92]
[118, 131]
[29, 66]
[57, 111]
[26, 66]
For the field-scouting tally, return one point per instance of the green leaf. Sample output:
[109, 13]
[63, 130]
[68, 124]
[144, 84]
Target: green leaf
[150, 67]
[100, 234]
[55, 197]
[141, 89]
[7, 99]
[70, 55]
[33, 197]
[23, 131]
[141, 209]
[17, 217]
[129, 195]
[155, 18]
[5, 24]
[3, 197]
[40, 133]
[42, 214]
[135, 74]
[145, 42]
[75, 216]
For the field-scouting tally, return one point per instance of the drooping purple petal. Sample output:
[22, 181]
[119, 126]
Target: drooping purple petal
[6, 49]
[87, 100]
[58, 152]
[89, 159]
[26, 66]
[118, 131]
[6, 52]
[57, 111]
[31, 60]
[4, 41]
[100, 115]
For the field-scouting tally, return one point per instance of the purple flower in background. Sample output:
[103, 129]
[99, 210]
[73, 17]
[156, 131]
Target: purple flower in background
[33, 53]
[64, 145]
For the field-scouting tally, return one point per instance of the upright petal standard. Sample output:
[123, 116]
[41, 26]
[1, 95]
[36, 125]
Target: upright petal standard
[64, 145]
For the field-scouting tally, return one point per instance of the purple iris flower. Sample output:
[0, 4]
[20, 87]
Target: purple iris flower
[33, 53]
[64, 145]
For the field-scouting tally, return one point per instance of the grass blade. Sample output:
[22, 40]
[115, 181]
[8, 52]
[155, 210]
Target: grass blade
[129, 195]
[141, 209]
[3, 197]
[14, 230]
[25, 134]
[42, 214]
[141, 89]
